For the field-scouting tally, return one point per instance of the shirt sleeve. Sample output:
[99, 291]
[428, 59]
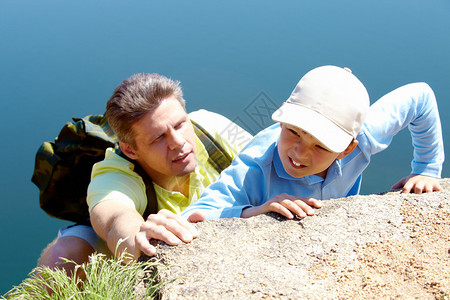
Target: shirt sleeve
[228, 196]
[244, 183]
[413, 106]
[113, 179]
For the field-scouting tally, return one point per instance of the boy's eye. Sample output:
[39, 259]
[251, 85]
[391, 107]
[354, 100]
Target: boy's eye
[322, 148]
[294, 132]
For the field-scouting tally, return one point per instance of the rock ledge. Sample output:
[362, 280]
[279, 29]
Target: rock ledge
[387, 245]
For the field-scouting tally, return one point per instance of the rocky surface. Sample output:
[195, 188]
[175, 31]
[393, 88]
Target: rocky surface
[377, 246]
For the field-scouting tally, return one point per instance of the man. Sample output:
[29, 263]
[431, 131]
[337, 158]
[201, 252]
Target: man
[157, 142]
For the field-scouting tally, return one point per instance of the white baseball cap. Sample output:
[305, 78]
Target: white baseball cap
[329, 103]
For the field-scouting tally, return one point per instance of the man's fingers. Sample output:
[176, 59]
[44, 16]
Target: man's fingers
[143, 244]
[160, 232]
[175, 224]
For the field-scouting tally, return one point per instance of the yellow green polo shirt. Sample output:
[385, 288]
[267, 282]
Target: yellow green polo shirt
[114, 179]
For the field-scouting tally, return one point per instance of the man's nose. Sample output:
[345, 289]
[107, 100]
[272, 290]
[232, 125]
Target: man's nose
[175, 139]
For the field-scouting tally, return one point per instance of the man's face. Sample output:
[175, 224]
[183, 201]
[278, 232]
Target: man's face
[301, 154]
[165, 143]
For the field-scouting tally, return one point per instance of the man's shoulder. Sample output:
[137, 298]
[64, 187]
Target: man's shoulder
[210, 121]
[113, 163]
[225, 131]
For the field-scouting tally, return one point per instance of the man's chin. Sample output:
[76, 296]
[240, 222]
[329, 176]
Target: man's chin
[187, 169]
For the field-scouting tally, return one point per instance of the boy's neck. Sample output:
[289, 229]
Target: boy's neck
[323, 174]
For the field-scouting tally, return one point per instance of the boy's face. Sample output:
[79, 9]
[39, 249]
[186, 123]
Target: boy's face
[302, 154]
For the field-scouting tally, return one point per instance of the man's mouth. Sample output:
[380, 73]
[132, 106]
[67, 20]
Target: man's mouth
[181, 158]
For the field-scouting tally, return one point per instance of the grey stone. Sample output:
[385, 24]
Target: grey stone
[269, 256]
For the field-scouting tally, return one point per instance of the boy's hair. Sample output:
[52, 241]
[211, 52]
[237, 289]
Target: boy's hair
[134, 98]
[329, 103]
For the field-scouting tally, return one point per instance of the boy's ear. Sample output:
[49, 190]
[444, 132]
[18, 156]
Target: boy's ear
[128, 150]
[349, 149]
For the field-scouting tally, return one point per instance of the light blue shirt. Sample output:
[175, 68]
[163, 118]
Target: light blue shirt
[257, 174]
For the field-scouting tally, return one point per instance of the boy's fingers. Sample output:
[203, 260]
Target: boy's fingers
[297, 207]
[313, 202]
[278, 208]
[196, 217]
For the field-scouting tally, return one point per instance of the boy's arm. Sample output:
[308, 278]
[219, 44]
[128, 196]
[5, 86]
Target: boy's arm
[227, 197]
[418, 184]
[415, 106]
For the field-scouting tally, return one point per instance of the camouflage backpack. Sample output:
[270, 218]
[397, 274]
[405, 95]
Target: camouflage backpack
[62, 169]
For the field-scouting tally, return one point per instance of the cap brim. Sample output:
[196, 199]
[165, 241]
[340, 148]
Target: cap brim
[323, 129]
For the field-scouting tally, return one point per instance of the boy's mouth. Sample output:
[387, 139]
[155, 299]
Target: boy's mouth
[296, 164]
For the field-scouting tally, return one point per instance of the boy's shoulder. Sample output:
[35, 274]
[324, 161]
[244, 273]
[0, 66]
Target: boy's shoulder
[262, 146]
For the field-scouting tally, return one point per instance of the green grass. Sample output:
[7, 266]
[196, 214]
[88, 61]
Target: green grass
[106, 278]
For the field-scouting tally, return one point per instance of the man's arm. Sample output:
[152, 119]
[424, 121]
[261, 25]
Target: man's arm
[114, 222]
[117, 200]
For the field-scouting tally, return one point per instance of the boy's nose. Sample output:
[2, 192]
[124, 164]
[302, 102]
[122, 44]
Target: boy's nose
[301, 150]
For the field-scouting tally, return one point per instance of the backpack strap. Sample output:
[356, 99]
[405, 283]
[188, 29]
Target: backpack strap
[152, 201]
[217, 156]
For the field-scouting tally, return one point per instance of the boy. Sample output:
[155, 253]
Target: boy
[322, 144]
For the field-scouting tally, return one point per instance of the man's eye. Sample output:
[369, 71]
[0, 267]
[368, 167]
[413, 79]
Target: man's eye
[157, 139]
[179, 125]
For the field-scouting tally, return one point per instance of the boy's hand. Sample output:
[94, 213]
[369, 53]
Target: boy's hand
[286, 205]
[418, 184]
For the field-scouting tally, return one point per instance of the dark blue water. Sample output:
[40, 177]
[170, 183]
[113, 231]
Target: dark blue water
[60, 59]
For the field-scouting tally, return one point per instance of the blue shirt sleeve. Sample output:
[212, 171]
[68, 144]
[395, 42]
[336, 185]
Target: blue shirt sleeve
[413, 106]
[242, 184]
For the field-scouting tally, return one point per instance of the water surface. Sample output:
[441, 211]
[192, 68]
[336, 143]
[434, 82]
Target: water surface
[60, 59]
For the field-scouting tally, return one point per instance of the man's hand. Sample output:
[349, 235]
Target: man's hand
[418, 184]
[165, 226]
[286, 205]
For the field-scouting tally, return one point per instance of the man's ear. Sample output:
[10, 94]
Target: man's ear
[349, 149]
[128, 150]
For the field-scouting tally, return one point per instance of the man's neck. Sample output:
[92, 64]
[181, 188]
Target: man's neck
[178, 184]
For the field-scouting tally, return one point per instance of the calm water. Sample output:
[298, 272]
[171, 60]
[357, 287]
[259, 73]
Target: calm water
[60, 59]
